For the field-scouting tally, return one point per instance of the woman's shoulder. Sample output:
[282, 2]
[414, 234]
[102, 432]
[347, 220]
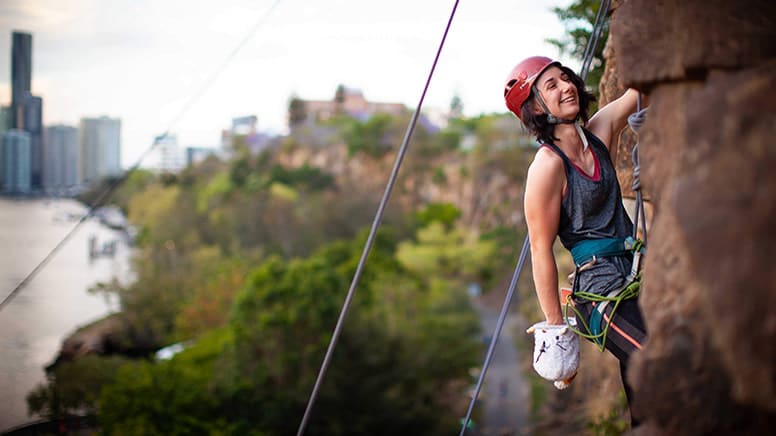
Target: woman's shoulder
[546, 163]
[547, 156]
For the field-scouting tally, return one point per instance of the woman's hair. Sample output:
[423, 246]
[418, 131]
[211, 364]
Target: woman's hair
[537, 123]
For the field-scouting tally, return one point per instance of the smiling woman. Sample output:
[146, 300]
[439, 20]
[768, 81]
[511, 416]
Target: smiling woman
[572, 193]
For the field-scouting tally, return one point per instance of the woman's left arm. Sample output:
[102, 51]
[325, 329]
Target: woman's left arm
[609, 121]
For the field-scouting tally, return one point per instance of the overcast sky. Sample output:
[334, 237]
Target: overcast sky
[143, 60]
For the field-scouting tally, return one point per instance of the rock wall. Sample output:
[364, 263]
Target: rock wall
[485, 194]
[708, 156]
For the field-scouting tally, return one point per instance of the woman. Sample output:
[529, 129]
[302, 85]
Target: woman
[572, 192]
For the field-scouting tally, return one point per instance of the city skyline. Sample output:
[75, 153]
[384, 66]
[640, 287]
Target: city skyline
[143, 61]
[53, 159]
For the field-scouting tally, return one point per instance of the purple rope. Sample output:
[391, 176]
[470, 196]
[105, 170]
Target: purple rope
[372, 233]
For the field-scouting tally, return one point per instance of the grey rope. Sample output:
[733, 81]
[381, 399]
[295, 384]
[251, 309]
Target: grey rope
[591, 45]
[635, 121]
[598, 27]
[494, 339]
[372, 233]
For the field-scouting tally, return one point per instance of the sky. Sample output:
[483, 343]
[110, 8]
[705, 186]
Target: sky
[147, 62]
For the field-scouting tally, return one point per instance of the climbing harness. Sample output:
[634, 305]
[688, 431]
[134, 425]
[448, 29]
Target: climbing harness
[586, 254]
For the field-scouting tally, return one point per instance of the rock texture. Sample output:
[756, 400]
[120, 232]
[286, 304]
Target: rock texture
[708, 154]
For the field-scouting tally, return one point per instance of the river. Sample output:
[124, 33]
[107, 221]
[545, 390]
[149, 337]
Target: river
[56, 301]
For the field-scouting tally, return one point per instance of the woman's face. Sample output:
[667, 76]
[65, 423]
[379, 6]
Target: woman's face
[558, 92]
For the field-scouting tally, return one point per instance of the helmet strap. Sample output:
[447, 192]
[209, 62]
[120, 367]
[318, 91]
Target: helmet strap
[552, 119]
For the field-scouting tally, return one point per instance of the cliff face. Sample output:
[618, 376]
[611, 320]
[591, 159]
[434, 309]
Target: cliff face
[488, 194]
[708, 153]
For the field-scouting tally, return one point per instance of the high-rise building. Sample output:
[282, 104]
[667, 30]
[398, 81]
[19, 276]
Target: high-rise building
[99, 148]
[60, 157]
[170, 158]
[5, 114]
[21, 74]
[5, 118]
[31, 109]
[15, 155]
[195, 155]
[26, 109]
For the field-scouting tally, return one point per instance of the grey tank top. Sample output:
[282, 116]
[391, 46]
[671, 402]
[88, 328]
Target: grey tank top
[592, 204]
[592, 208]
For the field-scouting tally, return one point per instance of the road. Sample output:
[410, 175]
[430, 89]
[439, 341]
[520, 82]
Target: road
[505, 395]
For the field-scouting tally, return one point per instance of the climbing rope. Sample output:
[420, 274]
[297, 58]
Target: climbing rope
[631, 290]
[635, 121]
[592, 44]
[373, 232]
[499, 325]
[586, 63]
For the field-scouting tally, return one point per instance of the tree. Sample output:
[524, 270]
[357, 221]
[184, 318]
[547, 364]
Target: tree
[297, 112]
[375, 136]
[445, 213]
[578, 19]
[339, 99]
[456, 107]
[73, 388]
[175, 397]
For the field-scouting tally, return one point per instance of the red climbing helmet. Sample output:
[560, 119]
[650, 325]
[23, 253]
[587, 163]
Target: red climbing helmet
[521, 79]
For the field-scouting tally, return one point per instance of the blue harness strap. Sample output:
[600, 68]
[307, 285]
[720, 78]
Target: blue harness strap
[594, 325]
[585, 250]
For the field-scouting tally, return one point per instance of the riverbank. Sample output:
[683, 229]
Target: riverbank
[56, 302]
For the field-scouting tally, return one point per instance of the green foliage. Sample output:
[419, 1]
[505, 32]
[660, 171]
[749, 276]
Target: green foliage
[615, 422]
[175, 397]
[456, 106]
[439, 177]
[240, 170]
[441, 252]
[305, 176]
[135, 182]
[74, 387]
[280, 322]
[261, 174]
[579, 18]
[215, 280]
[447, 140]
[176, 294]
[445, 213]
[374, 137]
[297, 112]
[426, 146]
[380, 382]
[152, 210]
[213, 192]
[248, 262]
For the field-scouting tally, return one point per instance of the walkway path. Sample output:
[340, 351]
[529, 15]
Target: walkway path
[505, 395]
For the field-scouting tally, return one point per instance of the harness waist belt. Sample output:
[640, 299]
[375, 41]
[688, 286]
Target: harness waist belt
[585, 250]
